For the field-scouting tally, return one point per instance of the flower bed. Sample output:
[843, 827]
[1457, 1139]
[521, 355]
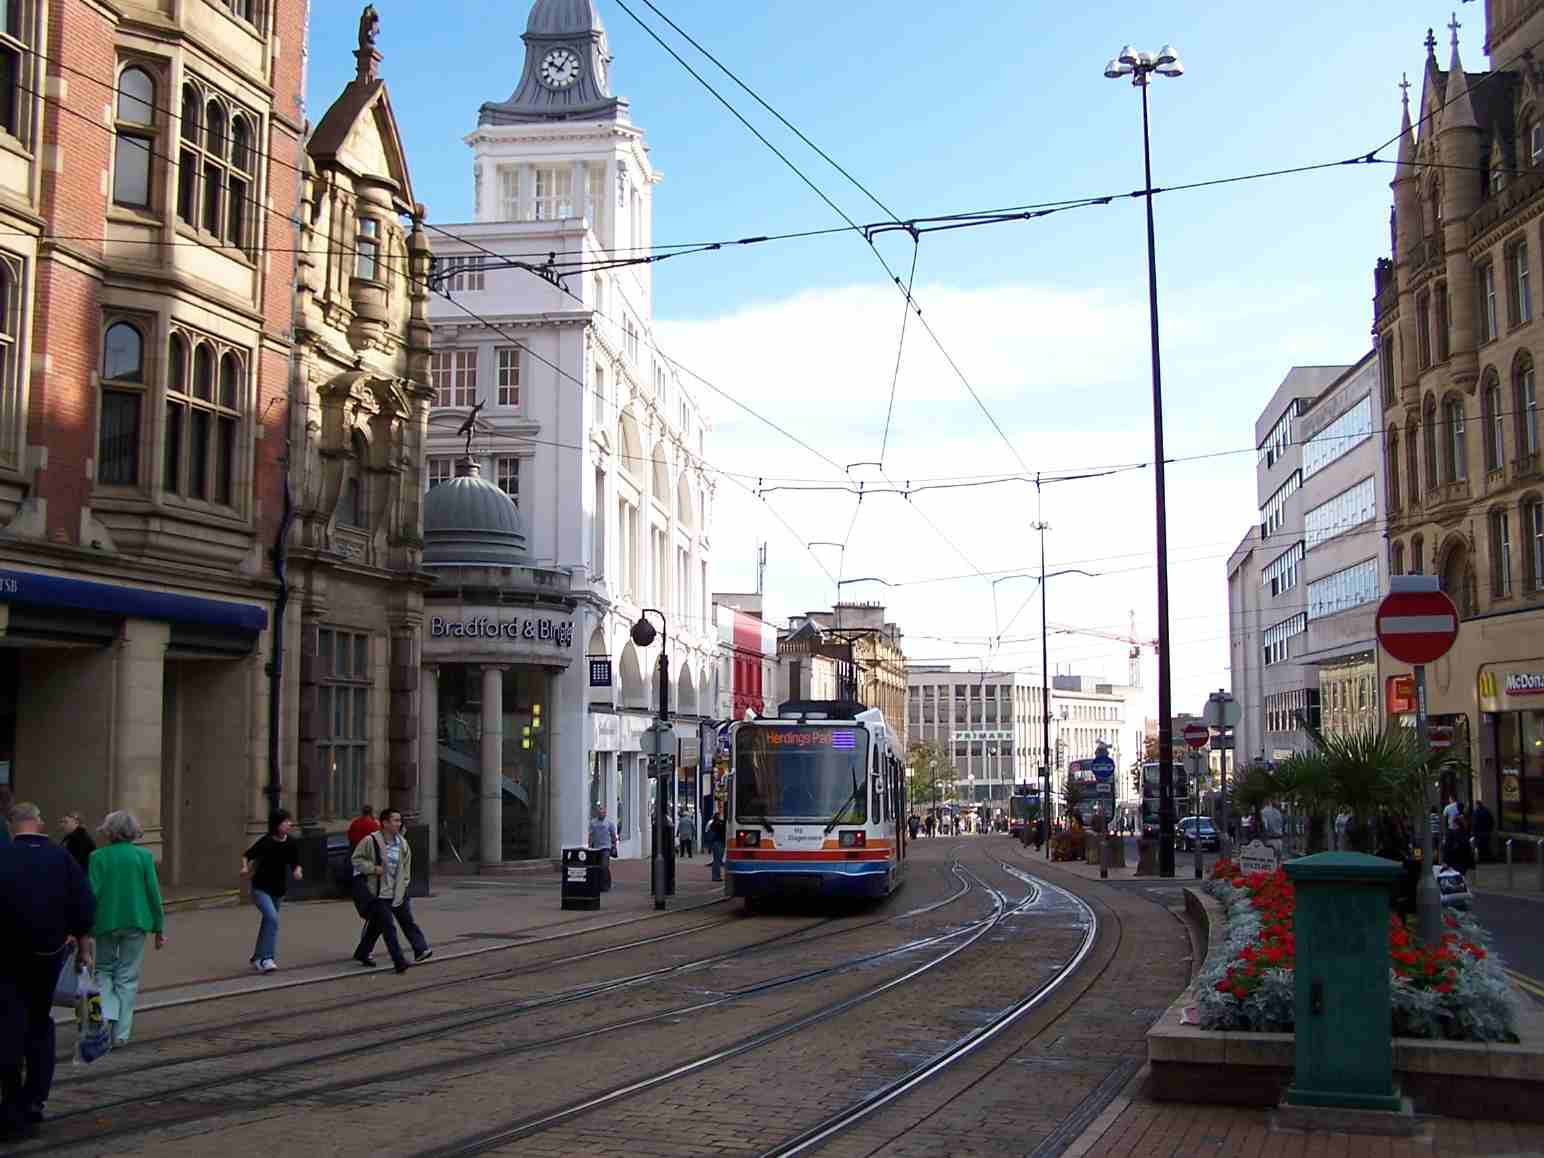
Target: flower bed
[1457, 991]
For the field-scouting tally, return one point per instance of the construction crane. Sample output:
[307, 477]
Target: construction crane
[1134, 656]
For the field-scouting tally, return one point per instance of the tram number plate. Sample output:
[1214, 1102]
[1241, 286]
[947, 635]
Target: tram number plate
[578, 874]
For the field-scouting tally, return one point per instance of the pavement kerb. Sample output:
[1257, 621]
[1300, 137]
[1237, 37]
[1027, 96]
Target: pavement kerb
[61, 1015]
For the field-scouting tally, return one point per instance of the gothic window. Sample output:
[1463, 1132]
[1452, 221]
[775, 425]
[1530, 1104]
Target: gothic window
[1413, 460]
[134, 138]
[1485, 278]
[122, 404]
[353, 505]
[205, 388]
[1500, 554]
[12, 300]
[17, 68]
[1392, 459]
[217, 167]
[1526, 404]
[1495, 443]
[1429, 443]
[1457, 459]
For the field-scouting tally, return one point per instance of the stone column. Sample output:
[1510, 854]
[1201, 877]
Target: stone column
[137, 723]
[403, 726]
[429, 754]
[491, 842]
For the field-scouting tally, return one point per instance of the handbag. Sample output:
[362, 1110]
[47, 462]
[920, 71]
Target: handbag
[73, 982]
[95, 1037]
[364, 898]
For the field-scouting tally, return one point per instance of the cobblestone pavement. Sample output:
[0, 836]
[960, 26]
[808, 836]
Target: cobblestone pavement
[709, 1032]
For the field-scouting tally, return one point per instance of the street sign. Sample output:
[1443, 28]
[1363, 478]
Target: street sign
[1222, 710]
[1417, 623]
[1197, 735]
[1102, 767]
[658, 737]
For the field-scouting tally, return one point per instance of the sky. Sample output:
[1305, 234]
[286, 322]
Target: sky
[945, 109]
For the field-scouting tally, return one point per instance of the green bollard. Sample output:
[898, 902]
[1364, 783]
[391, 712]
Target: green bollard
[1344, 1043]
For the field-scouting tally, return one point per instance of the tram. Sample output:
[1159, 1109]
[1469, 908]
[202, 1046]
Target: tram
[816, 804]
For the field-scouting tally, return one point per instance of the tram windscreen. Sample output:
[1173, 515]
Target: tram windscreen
[801, 773]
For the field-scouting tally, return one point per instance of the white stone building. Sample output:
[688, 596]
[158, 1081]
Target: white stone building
[576, 416]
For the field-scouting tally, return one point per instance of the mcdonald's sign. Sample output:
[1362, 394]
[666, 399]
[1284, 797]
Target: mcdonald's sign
[1399, 695]
[1501, 687]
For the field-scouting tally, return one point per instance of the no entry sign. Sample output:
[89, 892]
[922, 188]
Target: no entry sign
[1197, 735]
[1417, 622]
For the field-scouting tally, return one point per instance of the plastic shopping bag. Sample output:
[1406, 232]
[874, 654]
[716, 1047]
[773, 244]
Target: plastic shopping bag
[95, 1036]
[67, 989]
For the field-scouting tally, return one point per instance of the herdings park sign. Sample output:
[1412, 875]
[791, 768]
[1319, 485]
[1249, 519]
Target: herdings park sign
[554, 632]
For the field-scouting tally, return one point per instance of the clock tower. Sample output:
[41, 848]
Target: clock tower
[564, 78]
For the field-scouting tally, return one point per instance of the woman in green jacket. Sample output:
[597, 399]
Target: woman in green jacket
[128, 906]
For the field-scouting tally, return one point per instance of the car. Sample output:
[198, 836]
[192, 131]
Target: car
[1453, 888]
[1194, 829]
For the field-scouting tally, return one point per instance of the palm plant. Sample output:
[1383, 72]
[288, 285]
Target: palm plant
[1305, 783]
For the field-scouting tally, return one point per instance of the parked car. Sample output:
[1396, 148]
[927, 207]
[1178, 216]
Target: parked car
[1193, 829]
[1453, 887]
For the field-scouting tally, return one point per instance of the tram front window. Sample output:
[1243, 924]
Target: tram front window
[802, 773]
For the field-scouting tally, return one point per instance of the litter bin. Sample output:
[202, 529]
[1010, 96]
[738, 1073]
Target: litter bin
[582, 875]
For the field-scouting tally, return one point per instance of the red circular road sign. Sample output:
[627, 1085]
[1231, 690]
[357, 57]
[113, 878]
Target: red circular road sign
[1417, 627]
[1197, 735]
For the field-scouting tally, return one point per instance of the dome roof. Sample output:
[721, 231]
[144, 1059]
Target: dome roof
[470, 522]
[557, 17]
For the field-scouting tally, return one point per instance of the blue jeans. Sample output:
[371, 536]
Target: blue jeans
[118, 959]
[268, 930]
[718, 859]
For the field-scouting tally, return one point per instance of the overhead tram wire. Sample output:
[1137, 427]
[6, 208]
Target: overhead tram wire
[900, 345]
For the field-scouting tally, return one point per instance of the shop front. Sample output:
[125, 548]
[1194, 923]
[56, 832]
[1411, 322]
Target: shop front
[1511, 697]
[115, 695]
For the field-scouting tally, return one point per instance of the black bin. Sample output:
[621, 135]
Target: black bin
[582, 878]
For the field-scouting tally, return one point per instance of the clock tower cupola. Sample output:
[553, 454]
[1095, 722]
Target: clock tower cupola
[564, 78]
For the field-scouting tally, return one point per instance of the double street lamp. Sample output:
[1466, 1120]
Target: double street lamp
[1140, 66]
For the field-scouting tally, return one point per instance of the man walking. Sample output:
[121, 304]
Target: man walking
[603, 839]
[45, 903]
[386, 861]
[716, 842]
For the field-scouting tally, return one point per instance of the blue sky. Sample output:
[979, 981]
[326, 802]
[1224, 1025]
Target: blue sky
[945, 108]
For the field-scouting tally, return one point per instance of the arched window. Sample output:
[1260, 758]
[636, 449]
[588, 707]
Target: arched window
[351, 507]
[1526, 404]
[11, 286]
[1392, 459]
[216, 167]
[123, 392]
[1396, 558]
[204, 404]
[1417, 556]
[1413, 460]
[1457, 457]
[134, 130]
[1490, 403]
[1500, 553]
[1429, 443]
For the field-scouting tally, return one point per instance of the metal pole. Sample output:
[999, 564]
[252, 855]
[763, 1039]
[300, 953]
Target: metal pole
[1538, 862]
[1165, 700]
[1428, 899]
[1195, 811]
[1509, 882]
[662, 781]
[1045, 692]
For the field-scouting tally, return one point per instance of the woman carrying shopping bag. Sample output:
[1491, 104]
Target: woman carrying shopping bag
[128, 907]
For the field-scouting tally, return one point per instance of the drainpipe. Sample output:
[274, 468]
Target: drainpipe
[275, 787]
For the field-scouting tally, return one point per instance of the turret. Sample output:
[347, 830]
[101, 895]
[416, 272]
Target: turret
[1408, 235]
[1458, 147]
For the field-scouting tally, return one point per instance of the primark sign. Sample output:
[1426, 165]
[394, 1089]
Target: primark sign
[515, 629]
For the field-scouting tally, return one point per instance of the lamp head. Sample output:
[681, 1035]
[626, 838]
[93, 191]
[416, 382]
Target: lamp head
[643, 632]
[1169, 63]
[1115, 70]
[1128, 57]
[1166, 55]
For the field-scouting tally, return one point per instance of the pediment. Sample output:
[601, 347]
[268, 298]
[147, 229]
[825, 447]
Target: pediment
[359, 133]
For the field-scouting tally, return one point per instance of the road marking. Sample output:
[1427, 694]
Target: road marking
[1527, 984]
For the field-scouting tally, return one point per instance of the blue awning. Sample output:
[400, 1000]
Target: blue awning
[58, 592]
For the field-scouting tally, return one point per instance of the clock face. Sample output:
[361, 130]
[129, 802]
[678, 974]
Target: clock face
[559, 68]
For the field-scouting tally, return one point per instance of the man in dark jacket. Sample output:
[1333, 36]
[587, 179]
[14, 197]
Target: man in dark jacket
[1484, 826]
[45, 903]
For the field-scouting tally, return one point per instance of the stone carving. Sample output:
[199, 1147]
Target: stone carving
[369, 28]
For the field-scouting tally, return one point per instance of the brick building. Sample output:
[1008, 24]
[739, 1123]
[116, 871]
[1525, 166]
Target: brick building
[1456, 319]
[149, 161]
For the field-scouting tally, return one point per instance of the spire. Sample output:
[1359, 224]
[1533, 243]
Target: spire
[1406, 134]
[1459, 113]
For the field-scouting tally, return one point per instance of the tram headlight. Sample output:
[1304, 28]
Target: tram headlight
[747, 838]
[853, 838]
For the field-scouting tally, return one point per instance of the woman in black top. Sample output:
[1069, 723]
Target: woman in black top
[76, 840]
[270, 865]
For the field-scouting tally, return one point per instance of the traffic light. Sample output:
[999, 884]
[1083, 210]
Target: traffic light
[1136, 780]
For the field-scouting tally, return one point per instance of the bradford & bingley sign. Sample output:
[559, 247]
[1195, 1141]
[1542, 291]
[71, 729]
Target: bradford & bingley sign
[539, 629]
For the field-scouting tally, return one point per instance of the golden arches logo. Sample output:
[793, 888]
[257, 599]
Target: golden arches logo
[1487, 685]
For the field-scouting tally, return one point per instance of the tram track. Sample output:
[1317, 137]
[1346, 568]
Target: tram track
[972, 933]
[456, 1021]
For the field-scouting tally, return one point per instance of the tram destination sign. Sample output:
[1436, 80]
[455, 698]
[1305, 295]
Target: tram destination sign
[530, 629]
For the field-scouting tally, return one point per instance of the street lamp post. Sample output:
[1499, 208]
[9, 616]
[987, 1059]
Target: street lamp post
[661, 863]
[1140, 66]
[852, 633]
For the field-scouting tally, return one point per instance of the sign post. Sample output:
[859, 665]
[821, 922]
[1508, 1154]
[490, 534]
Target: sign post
[1223, 712]
[1417, 623]
[1197, 736]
